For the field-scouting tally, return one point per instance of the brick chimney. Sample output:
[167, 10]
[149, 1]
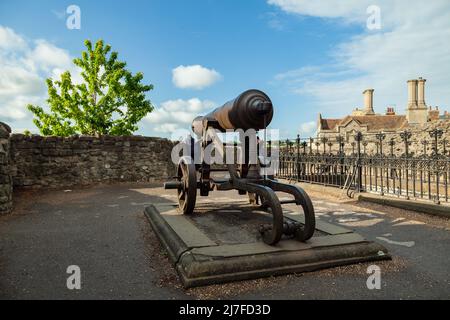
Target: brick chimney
[433, 115]
[390, 111]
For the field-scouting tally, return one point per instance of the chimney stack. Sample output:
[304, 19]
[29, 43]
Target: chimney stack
[417, 111]
[390, 111]
[421, 93]
[433, 114]
[368, 102]
[412, 94]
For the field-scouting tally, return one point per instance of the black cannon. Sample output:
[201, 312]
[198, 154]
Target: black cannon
[252, 110]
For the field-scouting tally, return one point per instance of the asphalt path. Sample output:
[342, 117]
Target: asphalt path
[102, 230]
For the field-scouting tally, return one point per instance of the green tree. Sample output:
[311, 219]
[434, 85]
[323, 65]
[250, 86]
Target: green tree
[110, 100]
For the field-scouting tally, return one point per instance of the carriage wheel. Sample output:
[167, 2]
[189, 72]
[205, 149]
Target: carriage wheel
[306, 232]
[187, 192]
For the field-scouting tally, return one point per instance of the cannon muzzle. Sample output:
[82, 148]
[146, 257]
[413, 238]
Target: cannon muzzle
[250, 110]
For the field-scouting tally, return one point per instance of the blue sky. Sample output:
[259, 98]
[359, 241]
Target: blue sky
[308, 57]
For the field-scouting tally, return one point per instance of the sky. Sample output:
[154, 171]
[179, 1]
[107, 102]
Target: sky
[310, 57]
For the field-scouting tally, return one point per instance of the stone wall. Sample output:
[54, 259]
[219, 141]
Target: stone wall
[420, 132]
[6, 186]
[55, 162]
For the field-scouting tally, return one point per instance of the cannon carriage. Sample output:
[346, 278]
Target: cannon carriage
[251, 111]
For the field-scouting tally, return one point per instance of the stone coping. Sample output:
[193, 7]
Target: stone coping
[442, 210]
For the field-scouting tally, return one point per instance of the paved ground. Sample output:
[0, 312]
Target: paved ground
[103, 230]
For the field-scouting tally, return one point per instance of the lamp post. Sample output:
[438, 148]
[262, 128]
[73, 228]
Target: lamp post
[324, 140]
[365, 143]
[380, 137]
[406, 136]
[436, 134]
[444, 146]
[359, 139]
[425, 144]
[304, 144]
[392, 144]
[340, 141]
[330, 144]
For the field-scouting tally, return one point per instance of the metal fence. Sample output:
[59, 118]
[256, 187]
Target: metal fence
[408, 176]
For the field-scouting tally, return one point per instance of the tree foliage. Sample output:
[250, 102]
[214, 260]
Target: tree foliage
[110, 99]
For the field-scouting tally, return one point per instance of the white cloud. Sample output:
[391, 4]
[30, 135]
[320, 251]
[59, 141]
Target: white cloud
[177, 114]
[194, 77]
[323, 8]
[412, 42]
[10, 40]
[59, 14]
[274, 21]
[47, 56]
[24, 66]
[308, 129]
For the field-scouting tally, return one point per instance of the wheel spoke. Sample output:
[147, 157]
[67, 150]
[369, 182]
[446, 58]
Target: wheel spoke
[181, 194]
[183, 170]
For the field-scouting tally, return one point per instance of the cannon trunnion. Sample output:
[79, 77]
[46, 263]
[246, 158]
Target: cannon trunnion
[252, 109]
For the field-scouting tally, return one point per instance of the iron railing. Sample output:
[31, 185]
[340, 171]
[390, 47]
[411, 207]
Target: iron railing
[424, 176]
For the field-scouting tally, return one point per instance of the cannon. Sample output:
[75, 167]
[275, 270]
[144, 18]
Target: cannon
[250, 111]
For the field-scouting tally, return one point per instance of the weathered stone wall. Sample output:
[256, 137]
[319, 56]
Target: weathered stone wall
[6, 186]
[55, 162]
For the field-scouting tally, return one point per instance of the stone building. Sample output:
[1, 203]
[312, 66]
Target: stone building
[365, 120]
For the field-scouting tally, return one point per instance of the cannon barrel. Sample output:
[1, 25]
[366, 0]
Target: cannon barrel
[250, 110]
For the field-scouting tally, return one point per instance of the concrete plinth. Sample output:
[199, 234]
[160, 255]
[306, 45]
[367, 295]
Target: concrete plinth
[220, 243]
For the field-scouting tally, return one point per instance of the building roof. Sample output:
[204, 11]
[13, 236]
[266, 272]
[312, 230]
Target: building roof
[373, 122]
[329, 124]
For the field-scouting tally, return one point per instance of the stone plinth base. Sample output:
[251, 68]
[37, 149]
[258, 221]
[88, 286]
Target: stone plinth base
[220, 243]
